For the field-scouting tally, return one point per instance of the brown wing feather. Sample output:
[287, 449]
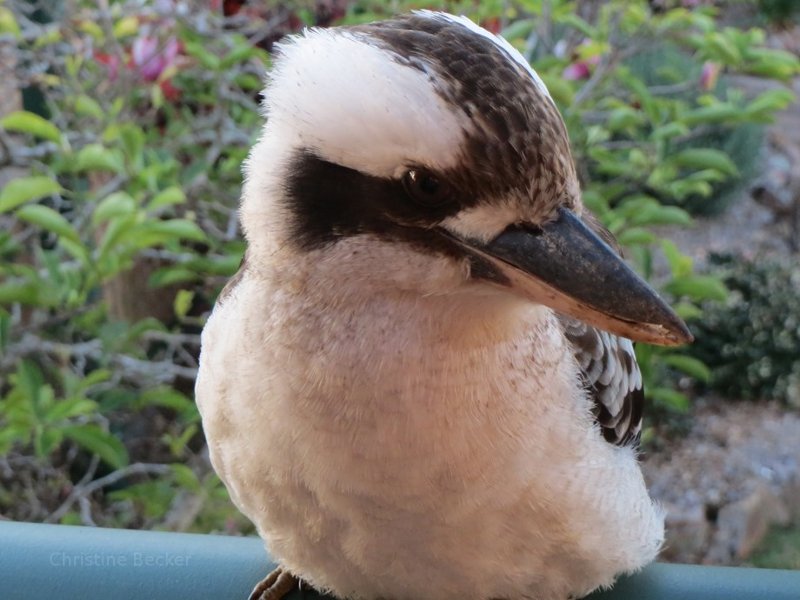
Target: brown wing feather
[612, 377]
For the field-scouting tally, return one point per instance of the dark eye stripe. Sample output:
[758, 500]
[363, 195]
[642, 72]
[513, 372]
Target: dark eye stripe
[328, 201]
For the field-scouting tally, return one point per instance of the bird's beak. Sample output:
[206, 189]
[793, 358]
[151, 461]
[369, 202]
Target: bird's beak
[567, 267]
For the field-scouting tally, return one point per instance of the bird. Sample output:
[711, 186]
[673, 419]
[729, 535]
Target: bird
[421, 382]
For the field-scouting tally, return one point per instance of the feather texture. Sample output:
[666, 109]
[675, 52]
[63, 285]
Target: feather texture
[612, 377]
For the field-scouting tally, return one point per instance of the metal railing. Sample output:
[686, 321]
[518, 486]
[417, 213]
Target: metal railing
[84, 563]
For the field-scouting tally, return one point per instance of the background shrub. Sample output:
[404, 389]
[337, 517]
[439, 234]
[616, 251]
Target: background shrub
[685, 79]
[752, 340]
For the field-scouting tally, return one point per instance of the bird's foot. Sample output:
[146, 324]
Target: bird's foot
[275, 586]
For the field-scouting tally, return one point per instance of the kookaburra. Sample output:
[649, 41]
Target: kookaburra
[421, 384]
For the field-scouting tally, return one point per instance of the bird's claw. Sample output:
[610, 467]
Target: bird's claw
[274, 586]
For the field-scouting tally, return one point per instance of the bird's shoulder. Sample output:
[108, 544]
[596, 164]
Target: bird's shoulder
[612, 377]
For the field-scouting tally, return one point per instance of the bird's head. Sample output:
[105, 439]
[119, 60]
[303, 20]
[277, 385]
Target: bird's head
[424, 155]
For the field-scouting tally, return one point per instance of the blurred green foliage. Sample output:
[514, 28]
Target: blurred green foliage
[752, 340]
[120, 228]
[780, 549]
[677, 71]
[779, 11]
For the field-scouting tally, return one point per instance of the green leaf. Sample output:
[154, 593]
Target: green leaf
[30, 380]
[185, 477]
[95, 440]
[96, 157]
[669, 398]
[642, 94]
[689, 365]
[661, 215]
[47, 38]
[680, 265]
[31, 123]
[46, 441]
[718, 45]
[22, 292]
[669, 131]
[8, 23]
[183, 302]
[93, 28]
[687, 311]
[767, 62]
[126, 27]
[684, 188]
[209, 60]
[166, 197]
[173, 228]
[118, 228]
[635, 236]
[11, 436]
[573, 20]
[520, 28]
[93, 378]
[88, 107]
[225, 265]
[5, 329]
[77, 250]
[716, 113]
[248, 82]
[770, 101]
[113, 205]
[178, 445]
[623, 118]
[66, 409]
[698, 287]
[171, 275]
[560, 89]
[133, 140]
[25, 189]
[166, 397]
[706, 158]
[49, 220]
[238, 55]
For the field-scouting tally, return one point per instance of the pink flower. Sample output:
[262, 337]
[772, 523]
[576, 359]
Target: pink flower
[151, 58]
[709, 75]
[584, 65]
[577, 71]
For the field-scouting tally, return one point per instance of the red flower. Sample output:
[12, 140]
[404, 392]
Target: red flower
[171, 93]
[111, 62]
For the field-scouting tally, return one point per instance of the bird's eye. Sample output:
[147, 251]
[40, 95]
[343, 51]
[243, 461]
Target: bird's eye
[425, 188]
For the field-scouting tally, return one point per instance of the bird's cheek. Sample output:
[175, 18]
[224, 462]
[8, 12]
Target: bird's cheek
[367, 264]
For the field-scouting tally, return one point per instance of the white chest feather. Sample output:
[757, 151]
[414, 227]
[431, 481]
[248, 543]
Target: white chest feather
[407, 447]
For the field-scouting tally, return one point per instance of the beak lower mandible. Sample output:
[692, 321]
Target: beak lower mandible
[567, 267]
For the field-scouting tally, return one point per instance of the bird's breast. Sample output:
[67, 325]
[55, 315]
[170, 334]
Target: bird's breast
[386, 435]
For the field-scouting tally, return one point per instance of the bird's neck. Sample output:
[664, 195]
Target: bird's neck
[384, 290]
[398, 330]
[374, 321]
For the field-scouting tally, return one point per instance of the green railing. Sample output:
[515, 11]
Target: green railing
[83, 563]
